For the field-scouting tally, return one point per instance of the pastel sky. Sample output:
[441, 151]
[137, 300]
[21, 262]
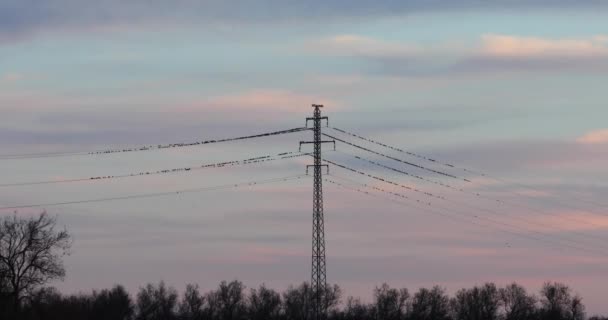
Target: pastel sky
[515, 89]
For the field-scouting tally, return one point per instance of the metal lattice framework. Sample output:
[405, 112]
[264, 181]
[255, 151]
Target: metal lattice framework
[318, 279]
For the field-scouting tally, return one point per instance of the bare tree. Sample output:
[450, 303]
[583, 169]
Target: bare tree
[157, 302]
[332, 296]
[433, 304]
[115, 304]
[228, 302]
[478, 303]
[516, 303]
[192, 305]
[390, 303]
[577, 308]
[31, 252]
[4, 292]
[264, 304]
[356, 310]
[556, 302]
[297, 302]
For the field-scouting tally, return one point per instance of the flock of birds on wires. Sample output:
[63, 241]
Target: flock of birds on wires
[389, 173]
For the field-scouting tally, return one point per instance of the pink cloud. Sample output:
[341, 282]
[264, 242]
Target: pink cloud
[569, 221]
[279, 100]
[515, 46]
[11, 77]
[357, 45]
[594, 137]
[493, 45]
[265, 100]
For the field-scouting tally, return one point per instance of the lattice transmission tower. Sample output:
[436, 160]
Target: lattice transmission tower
[318, 279]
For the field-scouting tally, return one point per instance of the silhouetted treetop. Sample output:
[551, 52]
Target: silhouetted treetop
[31, 251]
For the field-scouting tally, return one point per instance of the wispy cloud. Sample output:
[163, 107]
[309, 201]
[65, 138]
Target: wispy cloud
[594, 137]
[488, 54]
[267, 100]
[499, 45]
[568, 221]
[21, 18]
[515, 46]
[10, 77]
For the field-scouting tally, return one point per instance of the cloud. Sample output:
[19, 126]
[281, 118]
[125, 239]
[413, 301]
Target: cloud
[38, 118]
[560, 222]
[594, 137]
[375, 48]
[514, 46]
[490, 53]
[533, 154]
[21, 18]
[263, 100]
[511, 53]
[488, 45]
[11, 77]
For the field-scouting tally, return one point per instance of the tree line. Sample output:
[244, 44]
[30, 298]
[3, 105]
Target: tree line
[31, 251]
[232, 301]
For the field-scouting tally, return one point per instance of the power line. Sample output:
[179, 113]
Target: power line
[419, 156]
[494, 212]
[380, 179]
[158, 194]
[248, 161]
[475, 172]
[384, 180]
[496, 224]
[445, 174]
[147, 148]
[445, 185]
[424, 207]
[439, 183]
[455, 188]
[476, 194]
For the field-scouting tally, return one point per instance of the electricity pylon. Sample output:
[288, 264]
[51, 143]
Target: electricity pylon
[318, 281]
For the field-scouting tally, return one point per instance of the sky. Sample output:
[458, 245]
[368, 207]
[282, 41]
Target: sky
[513, 89]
